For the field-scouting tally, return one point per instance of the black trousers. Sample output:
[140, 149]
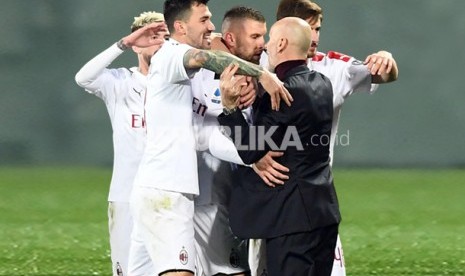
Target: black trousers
[302, 254]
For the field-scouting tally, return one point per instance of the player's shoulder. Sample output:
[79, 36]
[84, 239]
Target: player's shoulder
[331, 55]
[121, 73]
[174, 47]
[167, 51]
[322, 78]
[315, 76]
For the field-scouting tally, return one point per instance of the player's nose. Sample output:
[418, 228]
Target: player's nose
[211, 26]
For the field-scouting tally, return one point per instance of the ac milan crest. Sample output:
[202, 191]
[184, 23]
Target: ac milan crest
[183, 256]
[119, 270]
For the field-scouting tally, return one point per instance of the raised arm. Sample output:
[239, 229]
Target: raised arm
[143, 37]
[89, 73]
[217, 61]
[149, 35]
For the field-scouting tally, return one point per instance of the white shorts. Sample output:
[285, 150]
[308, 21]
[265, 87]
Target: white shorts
[257, 258]
[120, 226]
[142, 264]
[164, 221]
[218, 250]
[339, 266]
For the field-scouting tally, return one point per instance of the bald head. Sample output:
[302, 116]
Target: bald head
[290, 39]
[296, 31]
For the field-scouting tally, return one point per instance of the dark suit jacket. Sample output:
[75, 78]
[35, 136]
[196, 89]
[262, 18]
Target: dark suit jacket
[308, 199]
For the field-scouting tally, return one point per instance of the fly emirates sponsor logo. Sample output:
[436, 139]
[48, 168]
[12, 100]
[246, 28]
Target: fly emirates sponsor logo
[137, 121]
[198, 107]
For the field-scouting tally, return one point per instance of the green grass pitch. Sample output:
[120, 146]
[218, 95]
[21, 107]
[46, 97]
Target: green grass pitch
[53, 221]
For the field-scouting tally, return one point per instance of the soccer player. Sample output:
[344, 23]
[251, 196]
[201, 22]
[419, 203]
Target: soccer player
[166, 181]
[347, 74]
[123, 91]
[219, 251]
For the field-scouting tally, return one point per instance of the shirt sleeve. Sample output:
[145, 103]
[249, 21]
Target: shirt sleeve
[94, 75]
[223, 148]
[202, 132]
[347, 74]
[169, 63]
[253, 142]
[359, 78]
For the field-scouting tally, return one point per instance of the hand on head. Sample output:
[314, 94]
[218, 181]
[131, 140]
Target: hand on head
[149, 35]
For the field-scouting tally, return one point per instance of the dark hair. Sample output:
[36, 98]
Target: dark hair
[242, 12]
[303, 9]
[179, 10]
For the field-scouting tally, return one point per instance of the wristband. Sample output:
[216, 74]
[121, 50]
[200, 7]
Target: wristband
[121, 45]
[227, 111]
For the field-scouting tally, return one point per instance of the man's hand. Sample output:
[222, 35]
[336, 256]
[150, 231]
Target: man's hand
[276, 89]
[231, 86]
[379, 63]
[149, 35]
[270, 171]
[248, 93]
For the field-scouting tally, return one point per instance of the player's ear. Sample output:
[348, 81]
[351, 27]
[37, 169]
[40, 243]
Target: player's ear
[180, 27]
[229, 39]
[282, 44]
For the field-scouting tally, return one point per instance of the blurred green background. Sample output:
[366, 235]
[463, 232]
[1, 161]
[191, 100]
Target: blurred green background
[418, 121]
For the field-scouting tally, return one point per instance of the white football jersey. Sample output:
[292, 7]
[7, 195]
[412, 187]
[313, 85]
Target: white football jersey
[123, 92]
[206, 106]
[169, 160]
[214, 179]
[347, 75]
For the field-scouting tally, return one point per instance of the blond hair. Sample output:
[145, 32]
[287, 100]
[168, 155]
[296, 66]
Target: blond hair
[146, 18]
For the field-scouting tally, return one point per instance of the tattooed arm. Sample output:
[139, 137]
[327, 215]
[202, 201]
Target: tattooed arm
[217, 61]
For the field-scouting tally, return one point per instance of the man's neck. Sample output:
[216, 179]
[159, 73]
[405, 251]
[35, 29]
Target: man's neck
[284, 67]
[219, 44]
[144, 70]
[143, 66]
